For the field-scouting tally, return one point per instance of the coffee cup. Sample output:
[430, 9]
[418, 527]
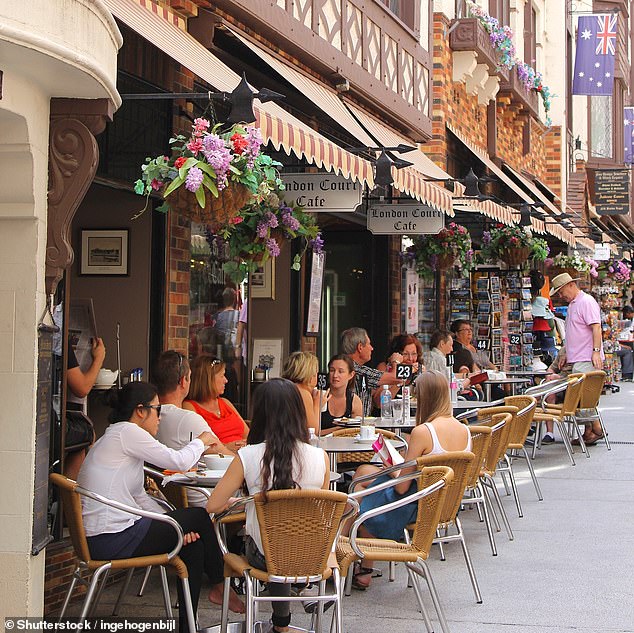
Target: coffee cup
[217, 462]
[366, 432]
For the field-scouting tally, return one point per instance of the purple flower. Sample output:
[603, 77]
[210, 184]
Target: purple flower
[317, 244]
[486, 237]
[273, 247]
[254, 140]
[194, 179]
[290, 221]
[271, 220]
[262, 230]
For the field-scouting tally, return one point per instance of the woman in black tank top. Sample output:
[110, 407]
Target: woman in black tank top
[342, 401]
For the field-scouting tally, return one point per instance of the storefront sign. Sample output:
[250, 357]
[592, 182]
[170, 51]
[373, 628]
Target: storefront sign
[406, 219]
[612, 191]
[323, 192]
[601, 252]
[411, 304]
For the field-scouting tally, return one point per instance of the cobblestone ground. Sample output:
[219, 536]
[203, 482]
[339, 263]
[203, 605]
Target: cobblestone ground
[569, 568]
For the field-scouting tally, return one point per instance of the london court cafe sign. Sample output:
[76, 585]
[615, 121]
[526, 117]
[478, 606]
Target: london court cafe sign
[323, 192]
[405, 219]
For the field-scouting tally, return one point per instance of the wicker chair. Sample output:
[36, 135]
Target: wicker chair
[480, 442]
[564, 413]
[588, 410]
[70, 493]
[313, 518]
[520, 427]
[431, 496]
[499, 424]
[360, 457]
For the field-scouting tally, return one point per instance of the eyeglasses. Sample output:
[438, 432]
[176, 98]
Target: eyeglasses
[152, 406]
[466, 329]
[409, 355]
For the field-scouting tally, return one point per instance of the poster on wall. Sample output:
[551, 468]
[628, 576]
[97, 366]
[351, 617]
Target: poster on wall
[411, 302]
[314, 294]
[267, 356]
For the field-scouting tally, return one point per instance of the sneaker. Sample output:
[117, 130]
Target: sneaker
[548, 439]
[311, 589]
[311, 606]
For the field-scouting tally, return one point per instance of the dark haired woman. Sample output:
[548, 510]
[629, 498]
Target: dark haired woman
[114, 469]
[277, 457]
[343, 402]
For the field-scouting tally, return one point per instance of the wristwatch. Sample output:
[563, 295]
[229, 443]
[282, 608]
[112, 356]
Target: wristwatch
[596, 349]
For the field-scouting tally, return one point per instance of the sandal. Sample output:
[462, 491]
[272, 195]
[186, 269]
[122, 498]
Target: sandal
[362, 577]
[591, 440]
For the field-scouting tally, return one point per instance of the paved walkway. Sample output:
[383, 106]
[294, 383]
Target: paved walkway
[569, 569]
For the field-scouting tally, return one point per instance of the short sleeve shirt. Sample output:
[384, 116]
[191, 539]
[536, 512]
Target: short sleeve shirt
[583, 312]
[372, 377]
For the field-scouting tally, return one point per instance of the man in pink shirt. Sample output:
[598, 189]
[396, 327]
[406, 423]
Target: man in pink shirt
[583, 346]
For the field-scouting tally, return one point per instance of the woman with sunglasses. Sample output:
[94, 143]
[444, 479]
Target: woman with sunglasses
[114, 468]
[208, 383]
[409, 348]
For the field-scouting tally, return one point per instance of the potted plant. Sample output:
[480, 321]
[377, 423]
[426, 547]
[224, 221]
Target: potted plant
[574, 264]
[260, 230]
[450, 247]
[212, 175]
[513, 245]
[618, 271]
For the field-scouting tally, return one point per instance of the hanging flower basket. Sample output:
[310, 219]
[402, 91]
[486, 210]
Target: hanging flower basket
[217, 211]
[515, 256]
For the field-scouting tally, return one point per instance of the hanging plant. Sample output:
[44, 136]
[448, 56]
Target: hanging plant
[514, 245]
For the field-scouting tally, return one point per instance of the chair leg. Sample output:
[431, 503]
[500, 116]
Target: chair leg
[145, 579]
[507, 490]
[531, 470]
[518, 505]
[487, 519]
[71, 588]
[248, 586]
[348, 581]
[489, 504]
[566, 440]
[603, 429]
[440, 545]
[498, 501]
[97, 597]
[166, 592]
[338, 613]
[122, 592]
[467, 558]
[537, 439]
[413, 579]
[572, 421]
[90, 594]
[319, 611]
[224, 613]
[392, 571]
[434, 596]
[187, 599]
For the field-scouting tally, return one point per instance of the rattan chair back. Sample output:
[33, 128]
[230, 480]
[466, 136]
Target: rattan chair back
[485, 416]
[499, 439]
[359, 456]
[480, 442]
[572, 396]
[298, 529]
[523, 419]
[592, 389]
[460, 463]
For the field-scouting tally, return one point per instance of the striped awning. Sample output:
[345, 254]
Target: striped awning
[277, 125]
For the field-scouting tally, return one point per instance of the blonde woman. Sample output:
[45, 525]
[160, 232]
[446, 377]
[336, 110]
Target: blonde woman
[205, 398]
[436, 432]
[301, 368]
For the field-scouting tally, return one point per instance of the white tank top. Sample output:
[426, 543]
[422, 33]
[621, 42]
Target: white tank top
[437, 448]
[308, 472]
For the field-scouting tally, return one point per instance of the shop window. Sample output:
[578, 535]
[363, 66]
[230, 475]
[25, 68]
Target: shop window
[407, 11]
[606, 126]
[530, 34]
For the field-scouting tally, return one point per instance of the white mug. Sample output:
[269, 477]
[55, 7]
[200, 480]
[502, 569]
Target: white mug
[366, 432]
[217, 462]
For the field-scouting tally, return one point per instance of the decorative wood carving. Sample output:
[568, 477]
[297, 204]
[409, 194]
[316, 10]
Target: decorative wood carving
[73, 160]
[526, 99]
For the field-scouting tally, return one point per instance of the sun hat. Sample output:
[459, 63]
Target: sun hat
[559, 282]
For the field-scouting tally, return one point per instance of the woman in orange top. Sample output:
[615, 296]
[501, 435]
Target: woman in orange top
[207, 386]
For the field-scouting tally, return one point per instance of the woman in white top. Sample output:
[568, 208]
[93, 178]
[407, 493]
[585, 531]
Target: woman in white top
[277, 457]
[114, 468]
[436, 432]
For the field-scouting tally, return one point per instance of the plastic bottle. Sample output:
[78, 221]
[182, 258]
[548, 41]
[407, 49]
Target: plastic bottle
[406, 404]
[386, 404]
[453, 388]
[312, 437]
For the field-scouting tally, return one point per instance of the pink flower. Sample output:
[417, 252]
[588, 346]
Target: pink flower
[195, 145]
[201, 124]
[156, 184]
[237, 220]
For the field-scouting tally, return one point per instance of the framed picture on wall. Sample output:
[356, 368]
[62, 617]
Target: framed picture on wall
[267, 355]
[104, 252]
[262, 281]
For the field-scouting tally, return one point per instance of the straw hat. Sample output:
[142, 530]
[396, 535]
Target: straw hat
[559, 282]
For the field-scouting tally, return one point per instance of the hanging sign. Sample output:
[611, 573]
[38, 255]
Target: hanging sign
[612, 191]
[323, 192]
[411, 303]
[601, 252]
[404, 219]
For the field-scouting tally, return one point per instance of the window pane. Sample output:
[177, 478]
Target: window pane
[601, 127]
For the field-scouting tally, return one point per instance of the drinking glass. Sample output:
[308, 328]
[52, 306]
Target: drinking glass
[397, 411]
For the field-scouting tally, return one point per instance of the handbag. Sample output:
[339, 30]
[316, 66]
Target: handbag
[79, 430]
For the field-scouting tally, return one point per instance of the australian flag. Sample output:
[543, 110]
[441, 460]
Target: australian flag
[596, 49]
[628, 135]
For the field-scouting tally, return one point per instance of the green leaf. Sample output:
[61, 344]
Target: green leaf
[190, 162]
[177, 182]
[200, 196]
[139, 187]
[207, 168]
[164, 208]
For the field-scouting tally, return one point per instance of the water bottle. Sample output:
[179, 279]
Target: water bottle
[453, 388]
[386, 404]
[312, 437]
[406, 404]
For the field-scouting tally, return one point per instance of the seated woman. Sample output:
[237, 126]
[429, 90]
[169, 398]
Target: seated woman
[207, 386]
[436, 432]
[301, 368]
[410, 348]
[277, 457]
[343, 402]
[114, 469]
[441, 344]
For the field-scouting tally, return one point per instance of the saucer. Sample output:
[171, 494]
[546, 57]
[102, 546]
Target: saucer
[366, 440]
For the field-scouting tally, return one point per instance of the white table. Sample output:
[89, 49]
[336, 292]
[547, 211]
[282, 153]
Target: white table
[503, 381]
[465, 405]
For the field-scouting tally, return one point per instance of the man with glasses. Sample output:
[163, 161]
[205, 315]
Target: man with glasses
[465, 353]
[171, 375]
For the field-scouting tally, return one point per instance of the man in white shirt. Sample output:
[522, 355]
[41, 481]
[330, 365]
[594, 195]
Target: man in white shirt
[171, 375]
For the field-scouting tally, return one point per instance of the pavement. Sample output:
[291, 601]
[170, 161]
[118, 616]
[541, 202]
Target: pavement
[569, 568]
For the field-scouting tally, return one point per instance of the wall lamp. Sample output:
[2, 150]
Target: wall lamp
[471, 183]
[241, 99]
[383, 163]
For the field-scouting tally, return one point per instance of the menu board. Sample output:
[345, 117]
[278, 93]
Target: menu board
[612, 191]
[314, 294]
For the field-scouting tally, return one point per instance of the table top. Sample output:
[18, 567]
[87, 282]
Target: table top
[506, 381]
[465, 405]
[528, 373]
[210, 478]
[377, 422]
[348, 444]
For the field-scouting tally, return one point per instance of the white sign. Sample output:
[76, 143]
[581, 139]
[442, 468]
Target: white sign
[411, 302]
[601, 252]
[323, 192]
[411, 219]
